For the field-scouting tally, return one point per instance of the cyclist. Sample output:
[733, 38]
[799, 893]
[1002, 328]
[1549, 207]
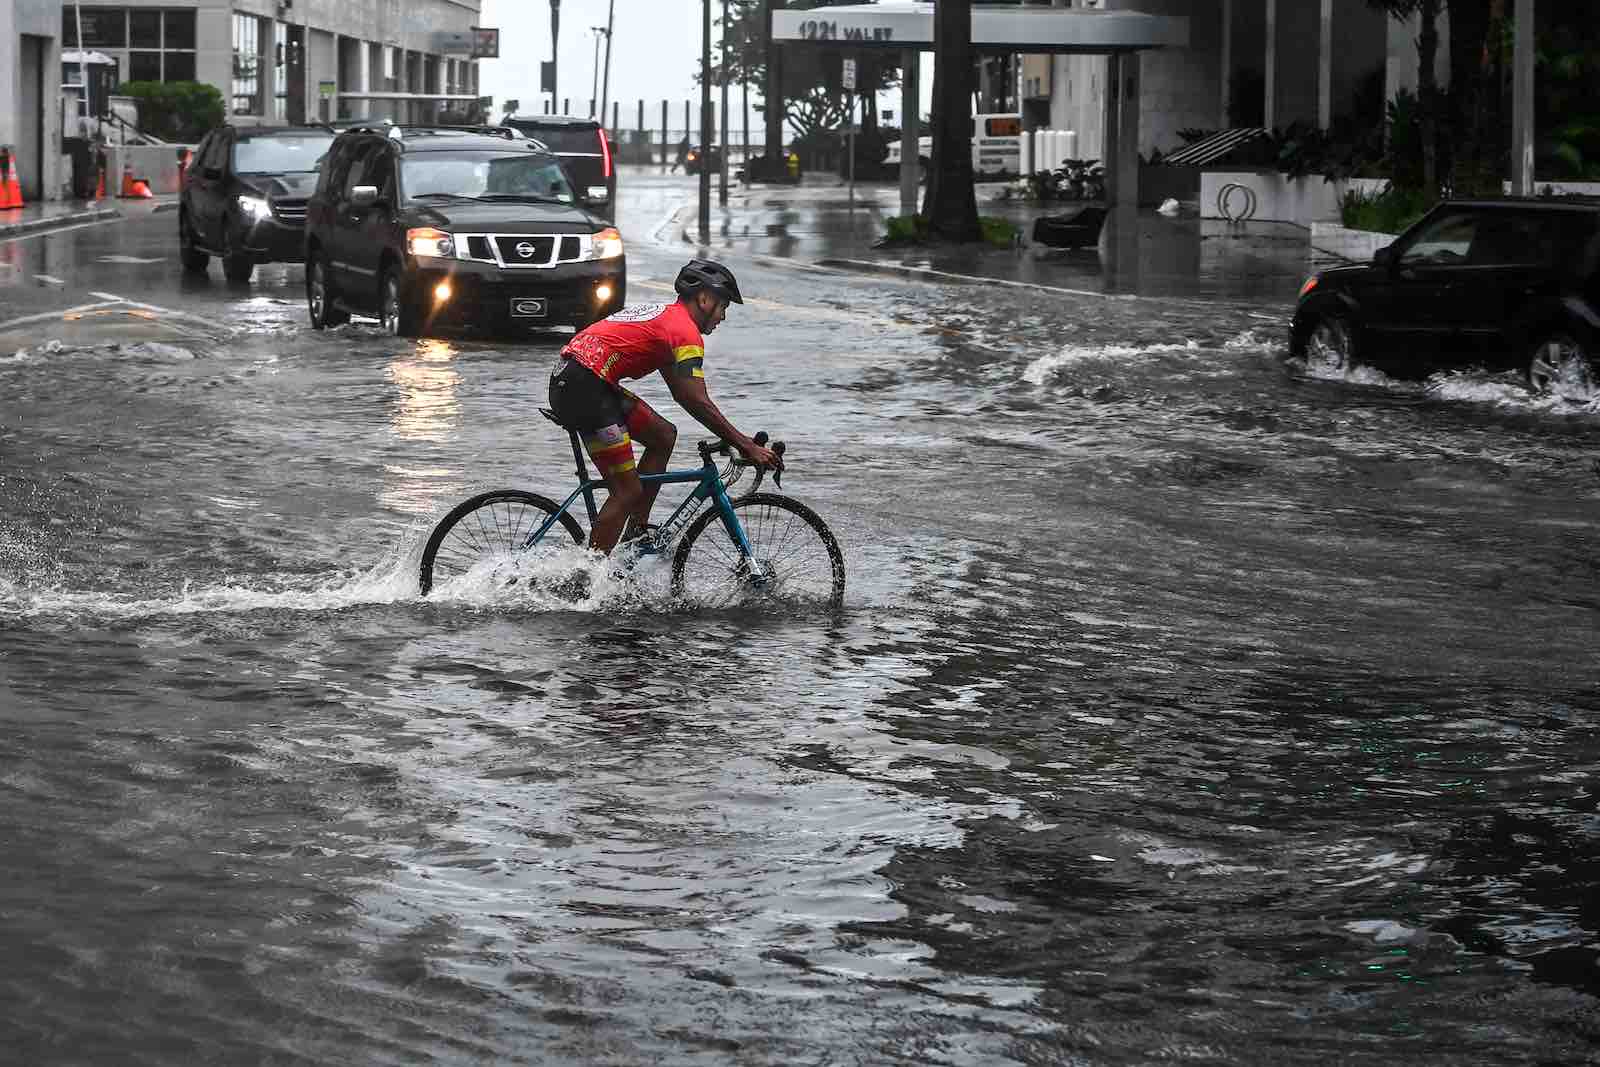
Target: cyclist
[586, 393]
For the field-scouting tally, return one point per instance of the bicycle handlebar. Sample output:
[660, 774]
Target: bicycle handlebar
[725, 448]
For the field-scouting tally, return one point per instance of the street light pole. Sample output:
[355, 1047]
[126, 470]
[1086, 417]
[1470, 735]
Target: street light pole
[555, 50]
[722, 175]
[594, 84]
[605, 86]
[705, 121]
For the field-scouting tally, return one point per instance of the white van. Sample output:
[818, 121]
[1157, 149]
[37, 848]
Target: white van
[996, 147]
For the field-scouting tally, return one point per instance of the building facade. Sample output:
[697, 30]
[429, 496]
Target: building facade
[294, 61]
[1248, 63]
[30, 93]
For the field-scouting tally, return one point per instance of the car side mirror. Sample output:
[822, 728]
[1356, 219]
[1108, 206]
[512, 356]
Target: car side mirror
[363, 196]
[213, 174]
[1383, 257]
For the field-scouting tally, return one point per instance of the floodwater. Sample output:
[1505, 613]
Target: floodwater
[1183, 707]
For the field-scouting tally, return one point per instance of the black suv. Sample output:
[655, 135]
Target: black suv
[1508, 284]
[583, 149]
[244, 197]
[433, 226]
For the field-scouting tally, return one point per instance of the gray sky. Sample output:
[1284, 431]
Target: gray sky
[655, 51]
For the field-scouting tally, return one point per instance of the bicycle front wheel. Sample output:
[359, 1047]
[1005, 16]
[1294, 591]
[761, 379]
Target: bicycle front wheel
[490, 527]
[794, 556]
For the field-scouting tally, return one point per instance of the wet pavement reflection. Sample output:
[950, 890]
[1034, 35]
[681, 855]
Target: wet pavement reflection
[1184, 705]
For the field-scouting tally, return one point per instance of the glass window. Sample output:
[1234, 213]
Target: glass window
[178, 67]
[144, 29]
[180, 29]
[1444, 241]
[144, 66]
[357, 163]
[279, 154]
[216, 156]
[69, 29]
[246, 65]
[379, 172]
[484, 174]
[104, 27]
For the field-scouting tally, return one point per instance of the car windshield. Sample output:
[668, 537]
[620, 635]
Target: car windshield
[279, 154]
[484, 174]
[557, 138]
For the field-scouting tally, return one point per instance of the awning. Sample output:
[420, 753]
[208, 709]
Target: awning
[902, 24]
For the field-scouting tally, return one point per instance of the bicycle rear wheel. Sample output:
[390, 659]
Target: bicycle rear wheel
[795, 556]
[490, 526]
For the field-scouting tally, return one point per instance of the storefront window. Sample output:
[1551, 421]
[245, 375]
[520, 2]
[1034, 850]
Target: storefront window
[180, 29]
[178, 66]
[246, 65]
[144, 66]
[144, 29]
[103, 27]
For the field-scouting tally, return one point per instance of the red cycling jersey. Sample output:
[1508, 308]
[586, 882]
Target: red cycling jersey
[638, 340]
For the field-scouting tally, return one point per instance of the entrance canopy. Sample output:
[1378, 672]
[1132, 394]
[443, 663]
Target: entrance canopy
[908, 24]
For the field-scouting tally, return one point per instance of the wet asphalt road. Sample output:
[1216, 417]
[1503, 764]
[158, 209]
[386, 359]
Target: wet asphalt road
[1183, 706]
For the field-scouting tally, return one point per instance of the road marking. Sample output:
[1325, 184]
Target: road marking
[109, 303]
[46, 316]
[59, 229]
[51, 278]
[132, 259]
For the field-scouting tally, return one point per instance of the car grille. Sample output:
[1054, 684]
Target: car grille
[525, 251]
[545, 250]
[290, 210]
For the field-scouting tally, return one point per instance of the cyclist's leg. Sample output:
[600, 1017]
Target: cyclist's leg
[593, 407]
[658, 436]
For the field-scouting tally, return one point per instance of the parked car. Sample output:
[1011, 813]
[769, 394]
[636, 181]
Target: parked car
[583, 148]
[244, 197]
[711, 158]
[428, 226]
[1507, 284]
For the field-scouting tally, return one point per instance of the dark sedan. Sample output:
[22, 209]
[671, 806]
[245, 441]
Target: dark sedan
[1505, 284]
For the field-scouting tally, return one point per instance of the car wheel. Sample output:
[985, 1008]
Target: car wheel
[194, 260]
[235, 267]
[399, 314]
[1330, 347]
[1563, 367]
[319, 296]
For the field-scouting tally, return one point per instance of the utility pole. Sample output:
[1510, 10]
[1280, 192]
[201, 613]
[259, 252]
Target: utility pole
[705, 121]
[605, 86]
[722, 177]
[555, 50]
[594, 83]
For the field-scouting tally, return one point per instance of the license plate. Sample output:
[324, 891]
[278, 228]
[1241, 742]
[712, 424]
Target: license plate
[530, 307]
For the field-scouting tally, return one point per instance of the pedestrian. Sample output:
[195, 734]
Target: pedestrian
[683, 155]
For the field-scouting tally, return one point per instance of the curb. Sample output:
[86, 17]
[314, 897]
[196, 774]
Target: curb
[57, 222]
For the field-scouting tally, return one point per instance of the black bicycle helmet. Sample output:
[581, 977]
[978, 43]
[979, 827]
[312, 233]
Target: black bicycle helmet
[700, 274]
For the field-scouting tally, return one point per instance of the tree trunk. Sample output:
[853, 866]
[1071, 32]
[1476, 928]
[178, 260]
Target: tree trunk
[951, 205]
[1428, 94]
[1469, 32]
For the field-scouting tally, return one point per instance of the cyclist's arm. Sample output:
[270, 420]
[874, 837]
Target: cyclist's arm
[690, 393]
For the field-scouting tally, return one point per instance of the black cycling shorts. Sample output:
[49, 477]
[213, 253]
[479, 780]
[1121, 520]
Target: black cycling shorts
[600, 412]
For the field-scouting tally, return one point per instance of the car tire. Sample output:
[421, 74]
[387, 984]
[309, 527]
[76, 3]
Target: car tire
[1330, 344]
[235, 267]
[1561, 365]
[397, 313]
[194, 260]
[320, 296]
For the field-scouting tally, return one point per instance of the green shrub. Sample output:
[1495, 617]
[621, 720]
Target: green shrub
[1387, 212]
[998, 231]
[913, 229]
[176, 111]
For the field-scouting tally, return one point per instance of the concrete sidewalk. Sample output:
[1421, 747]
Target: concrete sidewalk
[1256, 263]
[57, 214]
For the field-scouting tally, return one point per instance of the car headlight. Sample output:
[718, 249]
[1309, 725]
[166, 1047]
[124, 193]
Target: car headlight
[607, 244]
[255, 208]
[598, 192]
[427, 241]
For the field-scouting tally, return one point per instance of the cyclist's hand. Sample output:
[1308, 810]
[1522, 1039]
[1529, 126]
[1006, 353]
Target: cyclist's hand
[761, 456]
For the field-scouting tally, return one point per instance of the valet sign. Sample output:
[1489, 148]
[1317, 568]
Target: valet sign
[843, 30]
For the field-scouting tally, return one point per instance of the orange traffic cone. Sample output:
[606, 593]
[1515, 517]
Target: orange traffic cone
[134, 188]
[100, 190]
[10, 187]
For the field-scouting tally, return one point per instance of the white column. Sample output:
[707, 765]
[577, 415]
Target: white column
[1269, 111]
[1522, 175]
[910, 120]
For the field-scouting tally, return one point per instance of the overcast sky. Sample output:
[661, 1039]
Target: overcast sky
[655, 51]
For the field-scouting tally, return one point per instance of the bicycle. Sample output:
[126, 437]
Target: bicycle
[766, 545]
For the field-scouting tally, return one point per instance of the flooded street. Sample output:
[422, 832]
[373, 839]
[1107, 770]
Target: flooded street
[1184, 706]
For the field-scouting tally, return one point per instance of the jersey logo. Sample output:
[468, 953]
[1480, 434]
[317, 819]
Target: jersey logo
[638, 313]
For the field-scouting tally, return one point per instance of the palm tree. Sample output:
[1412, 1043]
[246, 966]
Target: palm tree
[950, 204]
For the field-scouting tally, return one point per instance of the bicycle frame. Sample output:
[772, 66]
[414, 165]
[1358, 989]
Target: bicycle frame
[709, 486]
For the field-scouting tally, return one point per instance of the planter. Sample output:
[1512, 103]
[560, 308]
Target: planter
[1267, 196]
[1357, 246]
